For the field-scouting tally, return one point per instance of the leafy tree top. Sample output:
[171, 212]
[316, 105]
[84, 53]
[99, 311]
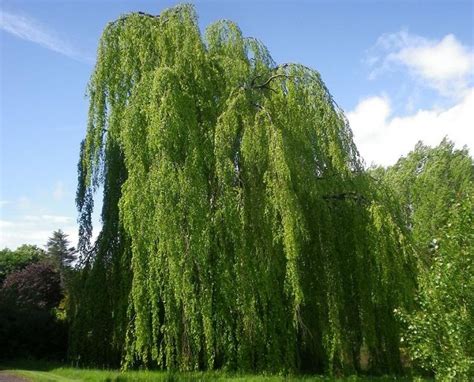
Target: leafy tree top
[428, 182]
[14, 260]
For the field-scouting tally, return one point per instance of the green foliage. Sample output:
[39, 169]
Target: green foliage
[239, 228]
[12, 261]
[440, 332]
[427, 183]
[437, 184]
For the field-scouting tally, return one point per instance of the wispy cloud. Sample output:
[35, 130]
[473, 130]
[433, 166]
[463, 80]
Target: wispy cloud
[4, 203]
[445, 65]
[24, 203]
[28, 29]
[54, 219]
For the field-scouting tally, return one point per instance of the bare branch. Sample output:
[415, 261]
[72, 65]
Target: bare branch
[265, 84]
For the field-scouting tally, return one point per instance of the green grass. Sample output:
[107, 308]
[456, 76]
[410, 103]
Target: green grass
[47, 372]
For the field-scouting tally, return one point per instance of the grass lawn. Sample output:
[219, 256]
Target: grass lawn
[48, 372]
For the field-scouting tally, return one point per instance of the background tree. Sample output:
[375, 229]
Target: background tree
[30, 297]
[239, 228]
[59, 251]
[427, 183]
[439, 332]
[36, 286]
[435, 188]
[15, 260]
[28, 324]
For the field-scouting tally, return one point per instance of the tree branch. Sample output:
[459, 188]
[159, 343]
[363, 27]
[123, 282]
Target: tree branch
[265, 84]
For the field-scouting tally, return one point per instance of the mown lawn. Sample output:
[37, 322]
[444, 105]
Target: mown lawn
[47, 372]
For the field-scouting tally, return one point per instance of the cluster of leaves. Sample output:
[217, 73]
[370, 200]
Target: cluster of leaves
[436, 187]
[239, 228]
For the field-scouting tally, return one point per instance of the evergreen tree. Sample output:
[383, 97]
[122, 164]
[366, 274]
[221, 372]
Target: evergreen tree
[59, 251]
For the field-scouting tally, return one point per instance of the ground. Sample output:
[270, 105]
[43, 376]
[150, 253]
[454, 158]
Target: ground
[34, 371]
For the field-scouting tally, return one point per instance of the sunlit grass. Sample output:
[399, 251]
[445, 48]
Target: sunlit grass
[48, 372]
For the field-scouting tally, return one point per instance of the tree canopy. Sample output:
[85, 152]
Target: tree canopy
[435, 188]
[427, 183]
[15, 260]
[240, 229]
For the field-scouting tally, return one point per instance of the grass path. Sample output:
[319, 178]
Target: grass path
[43, 376]
[9, 377]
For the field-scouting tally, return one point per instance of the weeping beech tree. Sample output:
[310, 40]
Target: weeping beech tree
[239, 228]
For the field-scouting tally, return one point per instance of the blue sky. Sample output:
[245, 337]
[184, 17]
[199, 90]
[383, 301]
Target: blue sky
[402, 71]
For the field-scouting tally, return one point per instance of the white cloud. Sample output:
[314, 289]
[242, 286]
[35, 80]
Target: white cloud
[58, 192]
[382, 137]
[29, 29]
[29, 223]
[5, 224]
[35, 229]
[445, 65]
